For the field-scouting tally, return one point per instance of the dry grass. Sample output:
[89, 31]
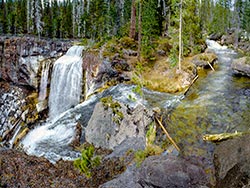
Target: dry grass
[162, 77]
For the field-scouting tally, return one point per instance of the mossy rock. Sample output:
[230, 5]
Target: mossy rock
[202, 60]
[128, 43]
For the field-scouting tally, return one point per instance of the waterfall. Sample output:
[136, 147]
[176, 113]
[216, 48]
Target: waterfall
[66, 82]
[52, 139]
[44, 81]
[215, 45]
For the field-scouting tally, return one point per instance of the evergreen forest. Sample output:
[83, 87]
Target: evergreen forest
[102, 19]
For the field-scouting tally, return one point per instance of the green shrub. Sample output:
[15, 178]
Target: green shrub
[151, 148]
[128, 42]
[148, 49]
[87, 161]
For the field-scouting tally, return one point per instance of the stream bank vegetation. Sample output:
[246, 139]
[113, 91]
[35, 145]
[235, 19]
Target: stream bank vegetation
[87, 161]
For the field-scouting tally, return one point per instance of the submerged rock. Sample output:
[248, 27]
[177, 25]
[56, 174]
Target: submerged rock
[241, 66]
[161, 172]
[232, 163]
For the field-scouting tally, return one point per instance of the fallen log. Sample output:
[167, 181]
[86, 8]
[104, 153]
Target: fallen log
[223, 136]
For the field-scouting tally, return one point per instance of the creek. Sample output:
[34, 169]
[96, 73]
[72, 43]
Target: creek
[217, 102]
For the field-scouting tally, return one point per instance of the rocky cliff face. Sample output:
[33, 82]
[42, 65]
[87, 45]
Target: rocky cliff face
[21, 64]
[12, 99]
[20, 58]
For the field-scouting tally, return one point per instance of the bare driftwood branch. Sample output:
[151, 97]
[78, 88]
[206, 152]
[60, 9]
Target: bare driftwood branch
[166, 132]
[191, 84]
[222, 136]
[210, 66]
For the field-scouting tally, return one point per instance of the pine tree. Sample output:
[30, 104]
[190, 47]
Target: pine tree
[140, 30]
[152, 22]
[205, 14]
[77, 12]
[47, 19]
[192, 26]
[2, 17]
[222, 16]
[246, 16]
[55, 19]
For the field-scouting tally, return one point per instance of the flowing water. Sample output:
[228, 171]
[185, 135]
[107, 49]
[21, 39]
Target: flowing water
[218, 102]
[44, 81]
[52, 138]
[66, 82]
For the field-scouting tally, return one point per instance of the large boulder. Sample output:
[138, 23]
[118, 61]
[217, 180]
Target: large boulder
[241, 66]
[162, 172]
[232, 163]
[108, 130]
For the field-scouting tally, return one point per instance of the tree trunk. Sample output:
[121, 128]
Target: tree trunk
[133, 20]
[140, 30]
[4, 16]
[237, 14]
[180, 36]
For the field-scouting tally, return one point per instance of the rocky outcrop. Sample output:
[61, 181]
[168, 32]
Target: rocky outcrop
[203, 60]
[20, 58]
[20, 170]
[100, 72]
[161, 172]
[241, 66]
[108, 128]
[215, 36]
[17, 112]
[12, 100]
[163, 78]
[232, 163]
[229, 40]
